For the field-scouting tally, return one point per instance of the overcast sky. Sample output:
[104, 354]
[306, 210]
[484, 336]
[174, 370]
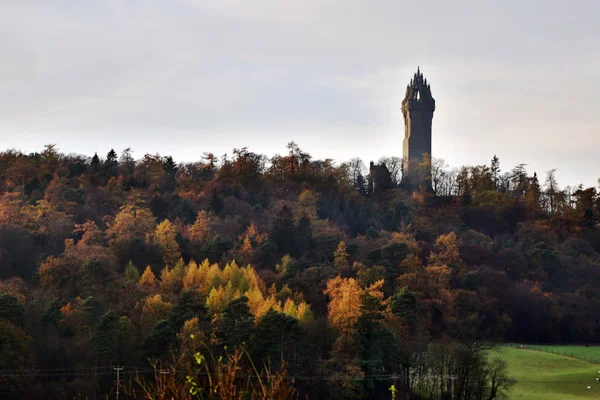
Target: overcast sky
[516, 78]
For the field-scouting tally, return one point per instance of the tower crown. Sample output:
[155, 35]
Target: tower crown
[418, 92]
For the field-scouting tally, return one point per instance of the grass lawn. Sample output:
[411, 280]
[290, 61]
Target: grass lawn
[545, 376]
[585, 353]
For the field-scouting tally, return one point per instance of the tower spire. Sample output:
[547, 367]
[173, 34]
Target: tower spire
[418, 107]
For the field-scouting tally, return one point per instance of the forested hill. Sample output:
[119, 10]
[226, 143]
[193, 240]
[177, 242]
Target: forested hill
[115, 261]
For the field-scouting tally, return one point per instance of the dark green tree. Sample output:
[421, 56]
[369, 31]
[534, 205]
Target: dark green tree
[160, 341]
[236, 324]
[105, 338]
[11, 310]
[275, 333]
[215, 202]
[283, 231]
[378, 350]
[404, 304]
[189, 305]
[111, 158]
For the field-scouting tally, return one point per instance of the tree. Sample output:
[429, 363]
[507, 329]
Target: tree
[356, 172]
[216, 202]
[148, 280]
[394, 165]
[132, 274]
[552, 191]
[377, 348]
[439, 177]
[201, 229]
[344, 305]
[499, 382]
[111, 158]
[275, 331]
[188, 306]
[495, 171]
[105, 336]
[95, 162]
[15, 352]
[165, 237]
[341, 260]
[283, 232]
[404, 304]
[170, 166]
[11, 310]
[236, 325]
[160, 341]
[134, 220]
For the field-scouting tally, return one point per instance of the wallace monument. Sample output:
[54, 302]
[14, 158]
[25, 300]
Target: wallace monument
[417, 108]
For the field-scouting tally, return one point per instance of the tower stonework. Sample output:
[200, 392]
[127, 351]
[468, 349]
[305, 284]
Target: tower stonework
[417, 107]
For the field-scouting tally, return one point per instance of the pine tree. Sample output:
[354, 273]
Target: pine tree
[95, 163]
[165, 236]
[132, 274]
[341, 260]
[148, 280]
[283, 232]
[236, 325]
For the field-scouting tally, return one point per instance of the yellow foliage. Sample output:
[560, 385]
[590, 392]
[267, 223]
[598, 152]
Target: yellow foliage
[132, 221]
[90, 233]
[192, 277]
[303, 312]
[290, 308]
[307, 205]
[217, 300]
[10, 207]
[255, 299]
[154, 309]
[221, 286]
[344, 306]
[45, 271]
[171, 280]
[148, 280]
[200, 231]
[43, 218]
[165, 236]
[446, 251]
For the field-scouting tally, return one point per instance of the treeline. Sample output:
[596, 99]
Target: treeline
[287, 262]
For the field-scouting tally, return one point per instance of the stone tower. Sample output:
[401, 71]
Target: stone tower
[417, 107]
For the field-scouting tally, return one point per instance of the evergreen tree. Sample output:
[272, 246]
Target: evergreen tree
[132, 274]
[216, 202]
[283, 232]
[495, 171]
[189, 305]
[404, 304]
[105, 336]
[236, 325]
[275, 331]
[11, 310]
[160, 341]
[95, 163]
[111, 158]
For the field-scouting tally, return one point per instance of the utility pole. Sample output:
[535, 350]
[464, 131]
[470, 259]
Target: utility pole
[118, 369]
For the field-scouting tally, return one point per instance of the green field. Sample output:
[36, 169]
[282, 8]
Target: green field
[546, 376]
[585, 353]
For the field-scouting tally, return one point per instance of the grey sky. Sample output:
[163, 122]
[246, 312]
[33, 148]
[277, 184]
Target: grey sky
[515, 78]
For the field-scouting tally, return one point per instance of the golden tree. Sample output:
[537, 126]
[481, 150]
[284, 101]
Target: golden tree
[165, 236]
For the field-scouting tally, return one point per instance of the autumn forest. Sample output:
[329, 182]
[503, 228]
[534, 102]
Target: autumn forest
[248, 277]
